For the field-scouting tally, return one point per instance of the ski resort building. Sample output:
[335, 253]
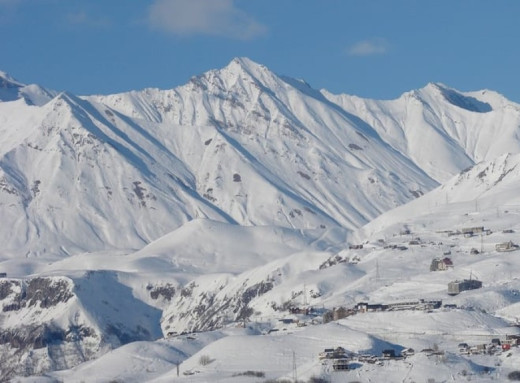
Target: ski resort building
[473, 230]
[340, 365]
[441, 264]
[506, 246]
[457, 287]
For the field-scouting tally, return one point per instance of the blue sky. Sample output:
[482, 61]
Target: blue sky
[370, 48]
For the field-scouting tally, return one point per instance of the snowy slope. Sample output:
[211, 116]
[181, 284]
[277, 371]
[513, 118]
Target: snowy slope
[441, 129]
[382, 273]
[238, 145]
[235, 198]
[11, 89]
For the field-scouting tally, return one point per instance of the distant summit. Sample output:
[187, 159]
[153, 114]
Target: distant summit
[7, 82]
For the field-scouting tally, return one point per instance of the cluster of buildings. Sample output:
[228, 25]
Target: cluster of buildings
[340, 359]
[494, 346]
[470, 231]
[363, 307]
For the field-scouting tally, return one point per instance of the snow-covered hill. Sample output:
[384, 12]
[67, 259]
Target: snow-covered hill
[235, 198]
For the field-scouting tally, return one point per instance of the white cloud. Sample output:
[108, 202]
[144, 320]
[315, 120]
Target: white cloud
[370, 47]
[209, 17]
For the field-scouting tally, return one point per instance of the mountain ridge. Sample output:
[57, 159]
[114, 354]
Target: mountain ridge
[205, 148]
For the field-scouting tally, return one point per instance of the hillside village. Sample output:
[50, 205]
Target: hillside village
[488, 346]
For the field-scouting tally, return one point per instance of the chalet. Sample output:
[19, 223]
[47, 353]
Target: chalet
[463, 347]
[337, 314]
[326, 354]
[514, 340]
[506, 246]
[495, 342]
[388, 354]
[407, 352]
[355, 247]
[439, 264]
[457, 287]
[474, 251]
[342, 312]
[368, 358]
[333, 353]
[340, 365]
[3, 275]
[480, 349]
[473, 230]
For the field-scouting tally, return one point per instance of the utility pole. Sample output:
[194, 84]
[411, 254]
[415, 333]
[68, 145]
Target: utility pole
[377, 271]
[304, 294]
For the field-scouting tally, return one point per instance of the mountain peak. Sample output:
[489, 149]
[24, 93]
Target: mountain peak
[245, 64]
[245, 67]
[8, 82]
[462, 100]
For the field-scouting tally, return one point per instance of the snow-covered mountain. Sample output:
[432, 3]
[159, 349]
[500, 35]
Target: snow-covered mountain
[268, 288]
[234, 198]
[239, 145]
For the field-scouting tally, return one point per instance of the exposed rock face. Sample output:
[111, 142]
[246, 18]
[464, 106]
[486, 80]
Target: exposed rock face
[56, 331]
[166, 292]
[197, 308]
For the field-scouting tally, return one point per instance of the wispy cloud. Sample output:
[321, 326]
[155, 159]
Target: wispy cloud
[204, 17]
[369, 47]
